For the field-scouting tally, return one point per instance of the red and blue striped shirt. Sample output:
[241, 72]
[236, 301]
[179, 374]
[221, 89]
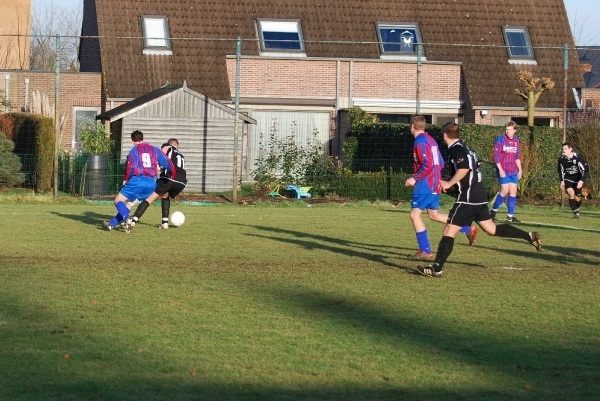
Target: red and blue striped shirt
[428, 165]
[143, 160]
[506, 153]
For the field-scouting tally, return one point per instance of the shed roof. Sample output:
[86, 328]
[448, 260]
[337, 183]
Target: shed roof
[451, 30]
[158, 95]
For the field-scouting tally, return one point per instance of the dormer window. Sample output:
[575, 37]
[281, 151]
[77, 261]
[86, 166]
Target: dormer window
[155, 30]
[398, 39]
[518, 45]
[280, 36]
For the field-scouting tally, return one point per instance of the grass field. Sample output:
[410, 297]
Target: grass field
[293, 303]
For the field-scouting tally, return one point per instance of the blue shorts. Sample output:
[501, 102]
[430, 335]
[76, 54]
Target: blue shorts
[138, 188]
[509, 179]
[425, 201]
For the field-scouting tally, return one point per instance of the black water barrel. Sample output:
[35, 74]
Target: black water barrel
[96, 177]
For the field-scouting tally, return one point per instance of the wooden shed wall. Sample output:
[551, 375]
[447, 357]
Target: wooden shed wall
[205, 135]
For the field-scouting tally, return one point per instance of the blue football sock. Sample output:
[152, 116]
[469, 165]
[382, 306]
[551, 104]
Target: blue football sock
[499, 200]
[116, 220]
[466, 230]
[511, 205]
[423, 241]
[122, 209]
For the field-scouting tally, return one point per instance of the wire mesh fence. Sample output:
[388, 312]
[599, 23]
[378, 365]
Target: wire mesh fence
[306, 103]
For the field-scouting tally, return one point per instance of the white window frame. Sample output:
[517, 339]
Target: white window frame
[518, 58]
[97, 110]
[282, 25]
[155, 41]
[399, 55]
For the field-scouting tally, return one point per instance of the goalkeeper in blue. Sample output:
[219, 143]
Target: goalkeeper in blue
[140, 177]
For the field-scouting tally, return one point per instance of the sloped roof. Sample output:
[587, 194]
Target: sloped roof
[589, 58]
[156, 96]
[490, 79]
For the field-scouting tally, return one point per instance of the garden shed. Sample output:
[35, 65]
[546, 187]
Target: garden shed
[203, 127]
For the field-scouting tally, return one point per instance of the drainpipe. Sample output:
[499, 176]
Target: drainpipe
[26, 106]
[6, 94]
[337, 111]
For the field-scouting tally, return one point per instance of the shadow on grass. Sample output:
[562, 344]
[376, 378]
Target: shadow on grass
[538, 371]
[88, 217]
[374, 253]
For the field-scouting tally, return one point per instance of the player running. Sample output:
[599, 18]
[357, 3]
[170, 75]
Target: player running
[140, 177]
[428, 164]
[167, 187]
[572, 170]
[471, 203]
[507, 156]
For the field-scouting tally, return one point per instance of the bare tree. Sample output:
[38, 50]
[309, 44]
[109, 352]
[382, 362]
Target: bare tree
[583, 35]
[47, 20]
[534, 88]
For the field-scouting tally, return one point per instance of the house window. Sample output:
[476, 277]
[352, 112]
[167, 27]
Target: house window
[280, 36]
[83, 117]
[398, 39]
[518, 44]
[155, 30]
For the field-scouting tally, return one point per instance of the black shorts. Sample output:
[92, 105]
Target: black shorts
[463, 214]
[571, 184]
[164, 186]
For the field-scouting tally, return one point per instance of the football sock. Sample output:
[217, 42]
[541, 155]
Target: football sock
[444, 250]
[115, 220]
[165, 205]
[466, 230]
[423, 241]
[511, 205]
[141, 209]
[578, 203]
[509, 231]
[499, 200]
[573, 204]
[122, 209]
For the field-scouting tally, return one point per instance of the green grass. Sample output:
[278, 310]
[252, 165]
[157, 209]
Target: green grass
[292, 303]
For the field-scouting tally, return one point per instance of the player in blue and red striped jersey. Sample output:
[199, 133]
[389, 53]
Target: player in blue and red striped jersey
[507, 156]
[140, 176]
[428, 165]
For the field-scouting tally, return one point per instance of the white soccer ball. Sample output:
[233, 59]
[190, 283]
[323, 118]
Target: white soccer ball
[177, 218]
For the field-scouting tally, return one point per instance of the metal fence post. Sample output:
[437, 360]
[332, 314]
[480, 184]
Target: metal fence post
[56, 115]
[238, 52]
[565, 79]
[419, 53]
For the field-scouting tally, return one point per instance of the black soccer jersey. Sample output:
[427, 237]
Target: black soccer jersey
[470, 187]
[574, 169]
[179, 162]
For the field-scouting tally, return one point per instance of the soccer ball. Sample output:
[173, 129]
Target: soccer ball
[177, 218]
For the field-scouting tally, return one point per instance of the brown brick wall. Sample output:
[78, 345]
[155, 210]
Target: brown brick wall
[312, 78]
[592, 94]
[14, 20]
[76, 89]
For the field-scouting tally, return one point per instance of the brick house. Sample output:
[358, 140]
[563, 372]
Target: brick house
[306, 63]
[589, 58]
[80, 97]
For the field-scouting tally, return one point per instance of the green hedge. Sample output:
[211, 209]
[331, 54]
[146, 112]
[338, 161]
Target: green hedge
[34, 134]
[372, 147]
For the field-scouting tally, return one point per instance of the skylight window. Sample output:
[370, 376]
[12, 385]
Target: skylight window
[518, 43]
[155, 30]
[398, 38]
[280, 35]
